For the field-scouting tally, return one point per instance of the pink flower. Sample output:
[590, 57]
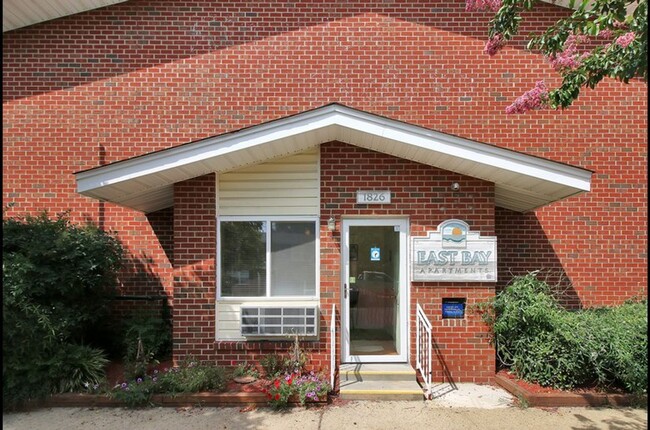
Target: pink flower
[494, 45]
[625, 40]
[568, 59]
[478, 5]
[531, 100]
[607, 34]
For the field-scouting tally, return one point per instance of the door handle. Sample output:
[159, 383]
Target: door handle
[345, 291]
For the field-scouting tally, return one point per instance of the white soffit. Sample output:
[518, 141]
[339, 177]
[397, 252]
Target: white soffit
[522, 182]
[21, 13]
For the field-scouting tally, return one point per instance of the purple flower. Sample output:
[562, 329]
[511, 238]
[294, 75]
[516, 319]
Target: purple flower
[139, 380]
[124, 385]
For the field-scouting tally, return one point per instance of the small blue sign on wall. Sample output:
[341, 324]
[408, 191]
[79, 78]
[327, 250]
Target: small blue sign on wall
[375, 254]
[453, 308]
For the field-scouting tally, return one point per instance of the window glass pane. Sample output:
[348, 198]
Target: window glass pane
[293, 258]
[243, 259]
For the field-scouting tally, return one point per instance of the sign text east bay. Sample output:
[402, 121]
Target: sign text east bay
[464, 258]
[453, 253]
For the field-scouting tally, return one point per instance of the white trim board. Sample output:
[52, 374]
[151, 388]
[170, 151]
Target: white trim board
[522, 182]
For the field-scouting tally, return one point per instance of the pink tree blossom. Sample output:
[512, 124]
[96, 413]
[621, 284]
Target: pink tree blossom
[494, 45]
[625, 40]
[606, 34]
[478, 5]
[569, 58]
[531, 100]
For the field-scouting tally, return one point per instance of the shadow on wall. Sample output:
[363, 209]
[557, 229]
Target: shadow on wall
[143, 275]
[216, 29]
[523, 247]
[141, 284]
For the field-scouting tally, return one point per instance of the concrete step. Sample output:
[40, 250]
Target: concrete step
[379, 382]
[376, 372]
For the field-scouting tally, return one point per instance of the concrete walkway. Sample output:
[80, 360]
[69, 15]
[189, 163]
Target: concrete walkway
[354, 415]
[462, 407]
[471, 396]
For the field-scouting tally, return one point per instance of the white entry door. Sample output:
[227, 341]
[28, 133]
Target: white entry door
[374, 290]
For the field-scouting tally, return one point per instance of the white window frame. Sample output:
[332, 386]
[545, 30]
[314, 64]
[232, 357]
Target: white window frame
[269, 220]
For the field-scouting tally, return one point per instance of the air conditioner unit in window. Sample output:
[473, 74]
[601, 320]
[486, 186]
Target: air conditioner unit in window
[279, 321]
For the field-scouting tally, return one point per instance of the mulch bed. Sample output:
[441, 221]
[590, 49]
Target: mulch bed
[529, 394]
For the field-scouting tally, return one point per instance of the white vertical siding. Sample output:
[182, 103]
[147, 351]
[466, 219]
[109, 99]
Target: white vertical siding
[286, 186]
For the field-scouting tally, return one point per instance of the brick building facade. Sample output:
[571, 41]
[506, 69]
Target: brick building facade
[125, 89]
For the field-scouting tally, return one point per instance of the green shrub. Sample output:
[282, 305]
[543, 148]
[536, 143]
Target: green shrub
[274, 365]
[57, 282]
[77, 367]
[245, 369]
[63, 274]
[191, 377]
[544, 343]
[146, 340]
[136, 393]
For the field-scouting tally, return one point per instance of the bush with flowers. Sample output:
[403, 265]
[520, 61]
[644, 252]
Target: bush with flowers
[189, 377]
[307, 387]
[136, 393]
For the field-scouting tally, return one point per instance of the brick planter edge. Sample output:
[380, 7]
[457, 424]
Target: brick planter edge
[569, 399]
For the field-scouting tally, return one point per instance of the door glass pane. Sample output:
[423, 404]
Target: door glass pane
[293, 258]
[374, 286]
[243, 258]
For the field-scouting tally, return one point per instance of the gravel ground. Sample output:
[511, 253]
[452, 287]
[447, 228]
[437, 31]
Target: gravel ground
[348, 415]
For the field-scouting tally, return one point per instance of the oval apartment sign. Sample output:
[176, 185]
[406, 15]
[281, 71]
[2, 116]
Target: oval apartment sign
[453, 253]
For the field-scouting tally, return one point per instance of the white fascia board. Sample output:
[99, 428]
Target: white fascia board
[491, 156]
[337, 116]
[199, 151]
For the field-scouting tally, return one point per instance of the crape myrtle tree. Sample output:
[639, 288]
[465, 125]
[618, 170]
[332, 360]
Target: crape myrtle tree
[601, 38]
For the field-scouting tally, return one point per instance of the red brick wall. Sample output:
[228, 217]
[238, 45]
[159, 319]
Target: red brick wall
[195, 292]
[128, 79]
[422, 194]
[419, 192]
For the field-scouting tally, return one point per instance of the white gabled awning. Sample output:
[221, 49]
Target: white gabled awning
[522, 182]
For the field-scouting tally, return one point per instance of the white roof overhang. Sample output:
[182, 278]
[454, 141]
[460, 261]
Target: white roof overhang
[522, 182]
[21, 13]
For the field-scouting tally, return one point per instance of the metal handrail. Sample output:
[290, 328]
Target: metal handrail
[332, 345]
[423, 348]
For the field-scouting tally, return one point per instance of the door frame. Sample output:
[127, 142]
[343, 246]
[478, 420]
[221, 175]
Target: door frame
[403, 294]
